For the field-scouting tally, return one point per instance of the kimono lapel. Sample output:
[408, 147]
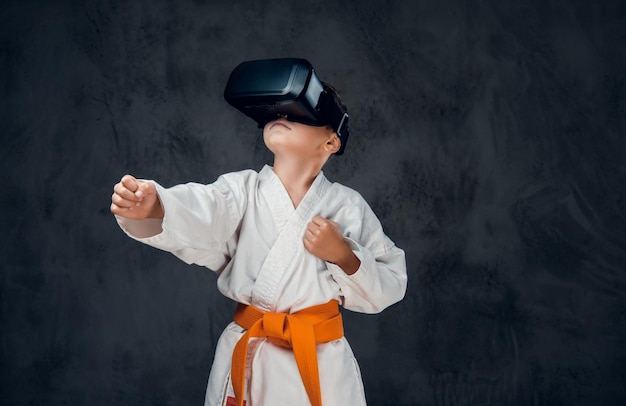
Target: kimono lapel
[290, 224]
[278, 199]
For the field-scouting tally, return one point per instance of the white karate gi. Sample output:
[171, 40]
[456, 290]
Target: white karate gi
[245, 228]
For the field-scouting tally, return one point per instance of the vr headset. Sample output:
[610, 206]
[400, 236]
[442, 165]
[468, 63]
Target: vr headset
[268, 88]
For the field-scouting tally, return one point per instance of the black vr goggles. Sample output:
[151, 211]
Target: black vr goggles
[268, 88]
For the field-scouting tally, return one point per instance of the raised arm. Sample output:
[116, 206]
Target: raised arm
[195, 222]
[367, 265]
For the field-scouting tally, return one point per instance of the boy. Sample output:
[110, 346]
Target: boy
[288, 246]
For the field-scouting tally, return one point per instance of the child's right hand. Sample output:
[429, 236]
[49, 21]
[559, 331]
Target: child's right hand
[135, 199]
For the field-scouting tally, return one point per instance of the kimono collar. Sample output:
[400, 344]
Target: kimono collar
[282, 201]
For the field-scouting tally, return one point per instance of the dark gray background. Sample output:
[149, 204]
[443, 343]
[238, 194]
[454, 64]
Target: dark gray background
[487, 135]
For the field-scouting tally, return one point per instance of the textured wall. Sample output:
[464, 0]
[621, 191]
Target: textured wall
[487, 135]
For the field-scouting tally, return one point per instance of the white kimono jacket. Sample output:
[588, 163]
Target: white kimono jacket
[245, 228]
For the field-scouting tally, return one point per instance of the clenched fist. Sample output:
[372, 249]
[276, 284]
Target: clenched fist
[135, 199]
[323, 238]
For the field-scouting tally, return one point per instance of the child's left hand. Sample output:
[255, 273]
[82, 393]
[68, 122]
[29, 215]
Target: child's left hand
[323, 238]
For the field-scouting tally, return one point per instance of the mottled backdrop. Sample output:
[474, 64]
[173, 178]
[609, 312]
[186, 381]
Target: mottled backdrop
[487, 135]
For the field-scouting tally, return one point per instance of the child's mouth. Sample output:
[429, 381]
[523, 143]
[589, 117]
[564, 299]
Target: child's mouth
[281, 124]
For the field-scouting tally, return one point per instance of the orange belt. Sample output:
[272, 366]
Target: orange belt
[300, 331]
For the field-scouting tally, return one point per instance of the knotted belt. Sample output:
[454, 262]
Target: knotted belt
[300, 331]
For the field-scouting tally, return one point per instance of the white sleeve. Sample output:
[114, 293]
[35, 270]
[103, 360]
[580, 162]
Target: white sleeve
[381, 279]
[199, 225]
[379, 282]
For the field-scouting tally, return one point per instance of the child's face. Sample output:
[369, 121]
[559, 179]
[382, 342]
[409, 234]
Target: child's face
[297, 139]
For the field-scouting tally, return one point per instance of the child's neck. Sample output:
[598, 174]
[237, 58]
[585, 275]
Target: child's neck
[297, 176]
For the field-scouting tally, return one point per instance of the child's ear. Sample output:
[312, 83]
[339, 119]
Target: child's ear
[333, 144]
